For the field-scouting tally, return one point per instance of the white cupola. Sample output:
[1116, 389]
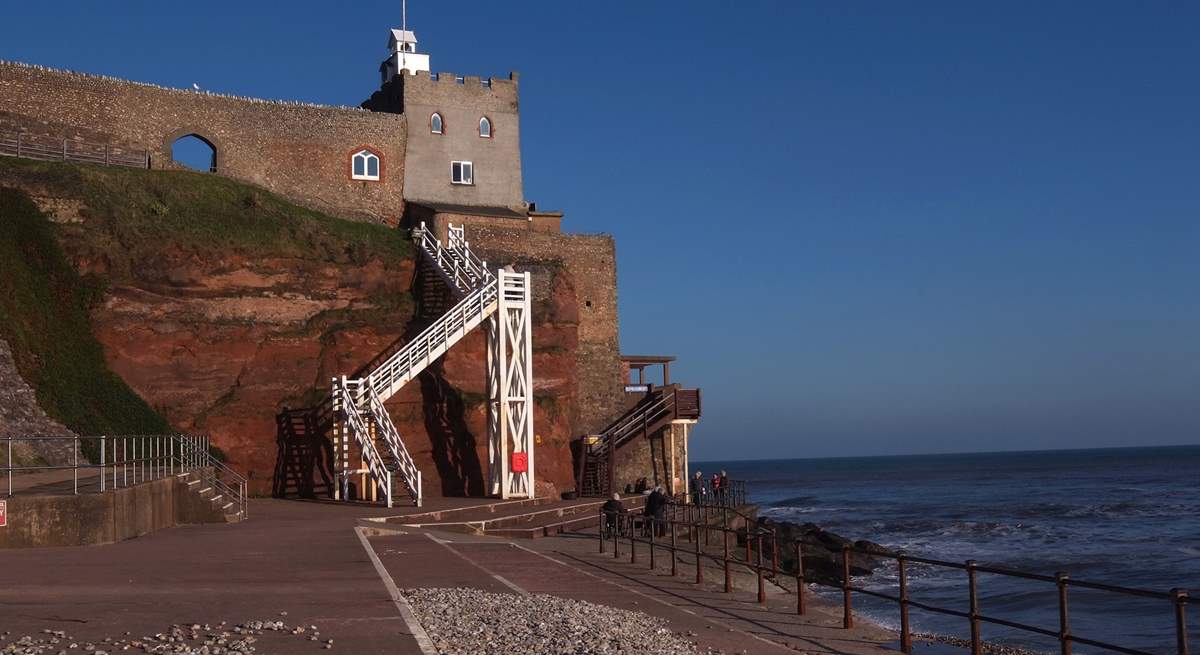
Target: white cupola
[402, 45]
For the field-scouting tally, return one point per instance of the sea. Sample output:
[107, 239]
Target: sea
[1126, 516]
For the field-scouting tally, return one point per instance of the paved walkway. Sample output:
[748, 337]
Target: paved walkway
[297, 557]
[309, 560]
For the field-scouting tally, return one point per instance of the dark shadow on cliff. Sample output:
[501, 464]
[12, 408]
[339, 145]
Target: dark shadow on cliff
[304, 461]
[452, 443]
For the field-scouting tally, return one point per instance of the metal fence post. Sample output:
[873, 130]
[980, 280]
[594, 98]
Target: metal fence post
[10, 466]
[847, 615]
[799, 579]
[699, 568]
[1181, 635]
[1064, 618]
[632, 542]
[653, 530]
[620, 520]
[973, 591]
[758, 570]
[725, 560]
[75, 454]
[674, 559]
[102, 463]
[905, 629]
[603, 524]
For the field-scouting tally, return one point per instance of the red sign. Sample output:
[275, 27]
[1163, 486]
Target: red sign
[520, 462]
[3, 513]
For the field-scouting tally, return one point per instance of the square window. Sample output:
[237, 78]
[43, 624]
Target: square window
[462, 172]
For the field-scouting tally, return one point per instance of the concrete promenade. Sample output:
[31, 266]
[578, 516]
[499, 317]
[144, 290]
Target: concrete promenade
[308, 559]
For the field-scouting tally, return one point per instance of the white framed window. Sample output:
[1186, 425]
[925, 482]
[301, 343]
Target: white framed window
[462, 172]
[364, 165]
[435, 123]
[485, 127]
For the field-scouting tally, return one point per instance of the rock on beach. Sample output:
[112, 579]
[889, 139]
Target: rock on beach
[469, 621]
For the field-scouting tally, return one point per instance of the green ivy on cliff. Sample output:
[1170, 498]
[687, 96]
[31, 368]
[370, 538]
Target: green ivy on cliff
[44, 319]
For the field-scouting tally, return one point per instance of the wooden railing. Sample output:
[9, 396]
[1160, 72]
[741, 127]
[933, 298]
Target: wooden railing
[19, 144]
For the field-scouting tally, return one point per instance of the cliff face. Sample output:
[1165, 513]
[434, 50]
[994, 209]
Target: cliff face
[221, 305]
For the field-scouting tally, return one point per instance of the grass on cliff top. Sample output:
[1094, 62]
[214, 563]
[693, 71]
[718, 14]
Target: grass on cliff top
[44, 318]
[132, 214]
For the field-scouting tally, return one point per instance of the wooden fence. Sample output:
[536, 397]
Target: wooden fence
[18, 144]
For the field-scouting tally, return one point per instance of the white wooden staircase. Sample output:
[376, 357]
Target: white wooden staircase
[359, 403]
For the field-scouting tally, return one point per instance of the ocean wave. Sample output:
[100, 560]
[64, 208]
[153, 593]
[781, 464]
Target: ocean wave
[795, 501]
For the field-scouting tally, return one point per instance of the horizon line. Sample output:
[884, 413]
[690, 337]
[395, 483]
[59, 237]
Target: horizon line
[959, 452]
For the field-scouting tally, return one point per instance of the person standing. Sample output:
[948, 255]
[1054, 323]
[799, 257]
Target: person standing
[698, 490]
[726, 492]
[656, 509]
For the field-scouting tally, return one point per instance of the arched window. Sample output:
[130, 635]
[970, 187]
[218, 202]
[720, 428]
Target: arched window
[364, 165]
[485, 128]
[435, 123]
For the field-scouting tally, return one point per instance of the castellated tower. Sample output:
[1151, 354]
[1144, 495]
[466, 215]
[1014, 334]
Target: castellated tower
[464, 147]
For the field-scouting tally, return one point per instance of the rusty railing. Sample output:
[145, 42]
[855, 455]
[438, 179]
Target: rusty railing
[698, 524]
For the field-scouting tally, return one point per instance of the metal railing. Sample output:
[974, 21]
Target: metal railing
[732, 493]
[126, 460]
[19, 144]
[699, 523]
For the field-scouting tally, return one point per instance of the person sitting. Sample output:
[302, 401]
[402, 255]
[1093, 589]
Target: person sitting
[613, 509]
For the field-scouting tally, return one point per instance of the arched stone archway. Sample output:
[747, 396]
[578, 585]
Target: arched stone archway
[191, 156]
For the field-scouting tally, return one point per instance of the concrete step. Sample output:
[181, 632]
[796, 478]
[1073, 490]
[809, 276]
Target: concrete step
[516, 519]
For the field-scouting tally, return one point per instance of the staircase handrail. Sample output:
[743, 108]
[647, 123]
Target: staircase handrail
[403, 365]
[648, 413]
[458, 266]
[202, 458]
[409, 474]
[362, 435]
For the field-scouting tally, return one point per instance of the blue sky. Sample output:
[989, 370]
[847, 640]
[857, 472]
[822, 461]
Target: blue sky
[864, 228]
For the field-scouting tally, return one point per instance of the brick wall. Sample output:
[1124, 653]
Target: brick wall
[298, 150]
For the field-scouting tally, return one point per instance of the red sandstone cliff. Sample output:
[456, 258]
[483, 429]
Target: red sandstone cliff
[222, 305]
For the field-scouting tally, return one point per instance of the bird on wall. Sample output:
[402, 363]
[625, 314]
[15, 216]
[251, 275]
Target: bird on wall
[195, 86]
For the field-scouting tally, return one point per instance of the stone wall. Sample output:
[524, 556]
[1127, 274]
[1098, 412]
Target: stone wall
[652, 458]
[300, 151]
[591, 262]
[461, 102]
[20, 415]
